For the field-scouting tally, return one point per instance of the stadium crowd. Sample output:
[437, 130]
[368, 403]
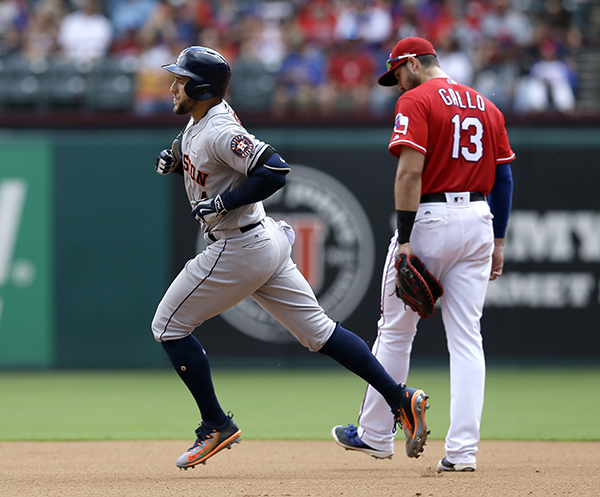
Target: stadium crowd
[315, 57]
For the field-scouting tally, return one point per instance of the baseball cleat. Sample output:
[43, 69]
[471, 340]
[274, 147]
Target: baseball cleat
[411, 418]
[347, 437]
[208, 442]
[445, 465]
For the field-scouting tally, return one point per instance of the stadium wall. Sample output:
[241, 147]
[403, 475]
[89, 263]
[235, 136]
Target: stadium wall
[90, 237]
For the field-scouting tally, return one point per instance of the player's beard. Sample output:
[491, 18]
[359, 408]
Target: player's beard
[183, 107]
[412, 80]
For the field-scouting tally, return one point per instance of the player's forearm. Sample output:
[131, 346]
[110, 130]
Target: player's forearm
[497, 259]
[407, 189]
[263, 181]
[407, 193]
[262, 184]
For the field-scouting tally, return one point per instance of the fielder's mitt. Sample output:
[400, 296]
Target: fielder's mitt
[416, 286]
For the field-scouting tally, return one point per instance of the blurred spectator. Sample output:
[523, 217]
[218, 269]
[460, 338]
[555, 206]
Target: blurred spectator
[203, 13]
[184, 17]
[157, 42]
[368, 20]
[317, 21]
[498, 78]
[13, 21]
[454, 61]
[508, 36]
[252, 82]
[40, 40]
[301, 81]
[267, 39]
[85, 34]
[382, 99]
[152, 94]
[226, 15]
[555, 21]
[440, 23]
[582, 13]
[408, 20]
[324, 55]
[350, 77]
[550, 85]
[129, 16]
[159, 25]
[210, 37]
[506, 24]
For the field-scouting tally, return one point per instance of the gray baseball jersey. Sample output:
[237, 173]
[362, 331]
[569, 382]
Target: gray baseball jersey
[248, 253]
[217, 155]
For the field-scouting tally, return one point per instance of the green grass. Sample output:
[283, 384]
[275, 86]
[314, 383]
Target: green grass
[521, 404]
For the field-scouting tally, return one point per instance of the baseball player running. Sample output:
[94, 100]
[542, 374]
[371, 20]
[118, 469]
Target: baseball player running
[227, 173]
[453, 151]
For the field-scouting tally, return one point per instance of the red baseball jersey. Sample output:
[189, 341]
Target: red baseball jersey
[461, 133]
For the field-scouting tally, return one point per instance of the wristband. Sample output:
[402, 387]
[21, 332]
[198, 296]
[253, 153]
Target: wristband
[404, 222]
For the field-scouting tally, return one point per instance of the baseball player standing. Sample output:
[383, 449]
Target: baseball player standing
[453, 151]
[227, 173]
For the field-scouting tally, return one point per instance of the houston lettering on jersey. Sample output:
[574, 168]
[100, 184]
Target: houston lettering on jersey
[197, 175]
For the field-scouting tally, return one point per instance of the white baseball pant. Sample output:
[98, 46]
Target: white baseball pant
[455, 241]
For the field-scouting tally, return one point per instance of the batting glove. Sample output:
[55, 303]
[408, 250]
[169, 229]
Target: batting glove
[209, 210]
[168, 160]
[165, 162]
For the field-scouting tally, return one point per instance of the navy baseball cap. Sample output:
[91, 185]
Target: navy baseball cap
[408, 47]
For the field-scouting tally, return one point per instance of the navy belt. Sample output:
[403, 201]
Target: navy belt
[441, 197]
[243, 229]
[249, 227]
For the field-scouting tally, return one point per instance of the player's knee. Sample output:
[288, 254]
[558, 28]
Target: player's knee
[160, 328]
[166, 329]
[156, 330]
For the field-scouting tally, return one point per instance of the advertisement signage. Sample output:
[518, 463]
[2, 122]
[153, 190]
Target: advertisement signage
[26, 334]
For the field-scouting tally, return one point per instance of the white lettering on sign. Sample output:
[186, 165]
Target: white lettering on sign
[541, 290]
[12, 200]
[555, 236]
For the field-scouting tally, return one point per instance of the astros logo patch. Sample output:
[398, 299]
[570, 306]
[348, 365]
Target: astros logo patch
[241, 146]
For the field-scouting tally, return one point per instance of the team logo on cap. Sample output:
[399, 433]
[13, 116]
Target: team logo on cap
[242, 146]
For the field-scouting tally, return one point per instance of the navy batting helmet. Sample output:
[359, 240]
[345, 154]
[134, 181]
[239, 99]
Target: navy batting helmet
[208, 70]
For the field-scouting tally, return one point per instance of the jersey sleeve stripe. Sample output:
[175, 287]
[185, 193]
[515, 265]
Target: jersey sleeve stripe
[259, 150]
[507, 159]
[409, 143]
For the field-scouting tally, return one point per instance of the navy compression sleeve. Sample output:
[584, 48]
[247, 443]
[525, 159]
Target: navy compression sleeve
[500, 199]
[263, 181]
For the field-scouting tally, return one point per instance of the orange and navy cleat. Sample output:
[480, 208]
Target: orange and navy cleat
[411, 418]
[208, 442]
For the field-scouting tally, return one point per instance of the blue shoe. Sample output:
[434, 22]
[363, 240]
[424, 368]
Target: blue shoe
[347, 437]
[410, 416]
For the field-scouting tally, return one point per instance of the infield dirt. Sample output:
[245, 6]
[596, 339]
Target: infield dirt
[293, 468]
